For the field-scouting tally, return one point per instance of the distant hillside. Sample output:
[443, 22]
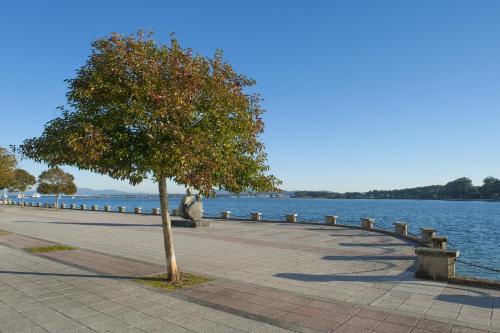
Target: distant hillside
[460, 189]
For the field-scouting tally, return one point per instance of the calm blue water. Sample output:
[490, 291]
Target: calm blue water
[471, 226]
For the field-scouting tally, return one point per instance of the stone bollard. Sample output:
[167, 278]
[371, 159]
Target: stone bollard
[225, 214]
[401, 228]
[156, 211]
[95, 208]
[121, 209]
[63, 206]
[72, 206]
[83, 207]
[427, 234]
[331, 219]
[291, 217]
[367, 223]
[435, 264]
[440, 242]
[255, 216]
[137, 210]
[107, 208]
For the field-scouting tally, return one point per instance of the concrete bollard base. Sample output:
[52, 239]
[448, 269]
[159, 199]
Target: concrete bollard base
[367, 223]
[255, 216]
[401, 228]
[427, 234]
[435, 264]
[331, 219]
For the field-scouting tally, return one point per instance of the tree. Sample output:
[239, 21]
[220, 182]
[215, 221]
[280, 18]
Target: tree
[22, 181]
[56, 181]
[461, 188]
[138, 109]
[490, 188]
[7, 165]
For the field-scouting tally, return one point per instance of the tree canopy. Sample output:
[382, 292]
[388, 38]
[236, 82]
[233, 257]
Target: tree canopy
[56, 181]
[138, 109]
[7, 166]
[490, 188]
[23, 180]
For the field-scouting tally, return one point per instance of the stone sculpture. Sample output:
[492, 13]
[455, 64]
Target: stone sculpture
[191, 207]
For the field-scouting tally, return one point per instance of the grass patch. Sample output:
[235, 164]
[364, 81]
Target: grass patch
[4, 233]
[160, 281]
[50, 248]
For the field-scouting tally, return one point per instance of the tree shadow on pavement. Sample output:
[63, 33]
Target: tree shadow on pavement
[370, 258]
[373, 244]
[344, 278]
[92, 276]
[104, 224]
[483, 300]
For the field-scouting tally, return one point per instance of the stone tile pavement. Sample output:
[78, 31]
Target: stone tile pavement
[40, 295]
[343, 267]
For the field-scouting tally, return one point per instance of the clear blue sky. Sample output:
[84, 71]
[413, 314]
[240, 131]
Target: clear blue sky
[360, 94]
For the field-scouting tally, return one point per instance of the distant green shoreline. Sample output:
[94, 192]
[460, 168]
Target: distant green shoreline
[485, 200]
[458, 189]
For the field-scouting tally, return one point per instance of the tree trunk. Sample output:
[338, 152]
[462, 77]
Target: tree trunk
[172, 272]
[57, 201]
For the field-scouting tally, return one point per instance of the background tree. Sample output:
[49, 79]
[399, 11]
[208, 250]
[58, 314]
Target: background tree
[22, 181]
[461, 188]
[140, 109]
[7, 165]
[56, 181]
[490, 188]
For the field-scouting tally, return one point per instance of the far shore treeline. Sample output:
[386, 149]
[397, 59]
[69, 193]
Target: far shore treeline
[459, 189]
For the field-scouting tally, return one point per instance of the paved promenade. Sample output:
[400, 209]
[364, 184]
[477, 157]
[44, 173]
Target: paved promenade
[268, 277]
